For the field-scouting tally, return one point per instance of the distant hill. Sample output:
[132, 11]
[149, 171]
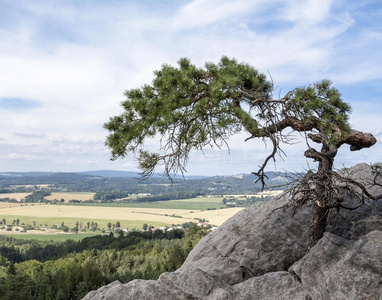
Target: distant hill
[110, 180]
[130, 174]
[23, 174]
[111, 173]
[97, 173]
[31, 178]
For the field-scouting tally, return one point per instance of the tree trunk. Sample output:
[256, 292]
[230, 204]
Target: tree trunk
[320, 211]
[317, 225]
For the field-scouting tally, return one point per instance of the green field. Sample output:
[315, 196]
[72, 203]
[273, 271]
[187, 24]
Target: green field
[52, 237]
[158, 214]
[70, 221]
[200, 203]
[130, 215]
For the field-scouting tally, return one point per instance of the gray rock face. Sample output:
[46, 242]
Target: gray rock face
[260, 254]
[277, 285]
[255, 241]
[337, 268]
[262, 239]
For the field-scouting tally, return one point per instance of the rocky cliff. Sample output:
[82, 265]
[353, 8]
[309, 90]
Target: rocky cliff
[260, 253]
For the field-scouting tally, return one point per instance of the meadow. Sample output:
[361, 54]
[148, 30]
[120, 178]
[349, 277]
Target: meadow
[157, 214]
[67, 196]
[51, 237]
[199, 203]
[82, 196]
[17, 196]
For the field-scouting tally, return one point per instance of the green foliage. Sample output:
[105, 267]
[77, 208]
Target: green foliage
[163, 197]
[190, 107]
[86, 265]
[37, 196]
[155, 185]
[323, 102]
[110, 195]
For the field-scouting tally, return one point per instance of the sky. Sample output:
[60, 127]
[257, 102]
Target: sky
[64, 66]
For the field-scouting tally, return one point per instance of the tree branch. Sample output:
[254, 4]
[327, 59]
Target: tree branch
[358, 140]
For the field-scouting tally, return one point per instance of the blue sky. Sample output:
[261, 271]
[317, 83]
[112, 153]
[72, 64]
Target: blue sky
[64, 66]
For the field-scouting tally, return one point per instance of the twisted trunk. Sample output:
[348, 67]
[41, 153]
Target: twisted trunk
[317, 225]
[320, 210]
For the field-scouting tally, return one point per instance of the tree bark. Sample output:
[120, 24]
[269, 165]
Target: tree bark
[317, 225]
[320, 210]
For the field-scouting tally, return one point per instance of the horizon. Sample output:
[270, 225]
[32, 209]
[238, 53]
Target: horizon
[65, 66]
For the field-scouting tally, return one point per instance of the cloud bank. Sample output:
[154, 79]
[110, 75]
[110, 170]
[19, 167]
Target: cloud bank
[64, 66]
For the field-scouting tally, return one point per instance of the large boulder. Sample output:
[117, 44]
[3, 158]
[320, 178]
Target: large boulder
[271, 236]
[337, 268]
[249, 256]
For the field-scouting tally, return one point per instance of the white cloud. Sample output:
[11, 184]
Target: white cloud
[201, 13]
[29, 135]
[16, 156]
[308, 12]
[77, 64]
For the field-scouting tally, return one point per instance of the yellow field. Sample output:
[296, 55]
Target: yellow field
[216, 217]
[17, 196]
[266, 193]
[200, 200]
[58, 213]
[6, 204]
[30, 185]
[70, 196]
[58, 196]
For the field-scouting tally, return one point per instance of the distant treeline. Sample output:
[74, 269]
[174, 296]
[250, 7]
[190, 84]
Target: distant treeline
[105, 196]
[108, 188]
[37, 196]
[163, 197]
[110, 195]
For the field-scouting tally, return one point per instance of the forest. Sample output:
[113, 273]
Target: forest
[122, 186]
[69, 270]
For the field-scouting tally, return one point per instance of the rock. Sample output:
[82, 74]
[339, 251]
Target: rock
[188, 285]
[276, 286]
[197, 283]
[253, 242]
[113, 291]
[337, 268]
[249, 256]
[367, 224]
[269, 237]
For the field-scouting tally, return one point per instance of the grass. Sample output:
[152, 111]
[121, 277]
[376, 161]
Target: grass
[6, 205]
[130, 215]
[200, 203]
[58, 196]
[164, 213]
[52, 237]
[71, 221]
[71, 196]
[17, 196]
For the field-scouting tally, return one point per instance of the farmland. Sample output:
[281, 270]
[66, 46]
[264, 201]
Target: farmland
[47, 220]
[130, 215]
[17, 196]
[49, 202]
[67, 196]
[71, 196]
